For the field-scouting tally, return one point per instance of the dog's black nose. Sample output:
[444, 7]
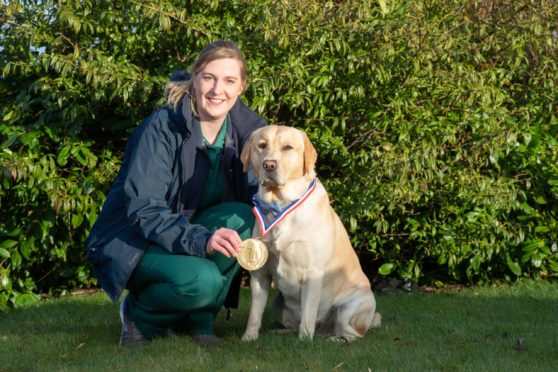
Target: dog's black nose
[270, 165]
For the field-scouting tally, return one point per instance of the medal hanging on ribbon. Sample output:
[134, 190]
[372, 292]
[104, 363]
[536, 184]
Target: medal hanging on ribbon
[260, 215]
[252, 254]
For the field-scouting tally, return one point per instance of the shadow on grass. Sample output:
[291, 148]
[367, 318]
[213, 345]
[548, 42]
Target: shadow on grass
[505, 328]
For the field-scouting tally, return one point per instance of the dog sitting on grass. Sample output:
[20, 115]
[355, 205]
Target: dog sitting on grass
[321, 286]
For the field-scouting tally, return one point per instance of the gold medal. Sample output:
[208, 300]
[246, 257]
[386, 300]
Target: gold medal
[252, 254]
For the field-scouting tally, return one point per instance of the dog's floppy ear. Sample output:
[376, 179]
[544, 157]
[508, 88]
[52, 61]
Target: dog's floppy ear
[245, 155]
[310, 154]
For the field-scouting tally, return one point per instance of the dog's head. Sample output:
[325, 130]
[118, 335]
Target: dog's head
[278, 154]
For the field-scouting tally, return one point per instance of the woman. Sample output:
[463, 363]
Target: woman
[179, 208]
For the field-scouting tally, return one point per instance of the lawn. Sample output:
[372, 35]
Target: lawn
[497, 328]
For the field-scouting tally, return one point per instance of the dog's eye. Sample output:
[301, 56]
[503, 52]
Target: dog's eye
[287, 147]
[262, 145]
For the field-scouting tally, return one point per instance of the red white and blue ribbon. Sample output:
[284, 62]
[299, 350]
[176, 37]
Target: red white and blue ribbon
[259, 209]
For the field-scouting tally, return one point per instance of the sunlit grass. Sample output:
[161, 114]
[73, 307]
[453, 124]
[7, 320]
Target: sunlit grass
[504, 328]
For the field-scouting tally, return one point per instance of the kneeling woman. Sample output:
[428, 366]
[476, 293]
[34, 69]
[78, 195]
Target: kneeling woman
[179, 208]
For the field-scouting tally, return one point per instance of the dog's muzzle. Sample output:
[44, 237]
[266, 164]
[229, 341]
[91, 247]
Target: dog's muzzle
[268, 177]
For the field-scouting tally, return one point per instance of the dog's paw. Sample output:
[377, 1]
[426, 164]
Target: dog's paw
[305, 336]
[249, 336]
[376, 321]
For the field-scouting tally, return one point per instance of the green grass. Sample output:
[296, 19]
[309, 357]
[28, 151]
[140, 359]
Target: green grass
[503, 328]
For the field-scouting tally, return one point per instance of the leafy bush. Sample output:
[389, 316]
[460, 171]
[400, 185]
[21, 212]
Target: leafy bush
[435, 121]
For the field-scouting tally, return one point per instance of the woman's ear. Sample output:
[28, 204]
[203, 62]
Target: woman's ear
[310, 154]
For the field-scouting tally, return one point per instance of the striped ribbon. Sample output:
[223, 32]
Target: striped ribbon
[258, 208]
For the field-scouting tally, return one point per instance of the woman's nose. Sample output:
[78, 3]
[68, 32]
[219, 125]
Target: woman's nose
[217, 87]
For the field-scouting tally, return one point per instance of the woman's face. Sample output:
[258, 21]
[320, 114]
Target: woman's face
[217, 87]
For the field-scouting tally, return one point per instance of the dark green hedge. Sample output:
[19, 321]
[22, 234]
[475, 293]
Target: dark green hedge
[435, 123]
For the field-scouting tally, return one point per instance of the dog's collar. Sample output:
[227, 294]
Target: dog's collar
[261, 209]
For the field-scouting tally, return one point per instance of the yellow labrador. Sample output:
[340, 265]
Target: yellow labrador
[321, 286]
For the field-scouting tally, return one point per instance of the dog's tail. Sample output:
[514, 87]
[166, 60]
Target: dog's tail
[376, 320]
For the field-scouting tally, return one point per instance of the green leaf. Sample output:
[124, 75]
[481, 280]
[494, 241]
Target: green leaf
[7, 244]
[16, 259]
[537, 261]
[15, 232]
[30, 139]
[8, 116]
[476, 262]
[80, 155]
[25, 300]
[77, 219]
[533, 246]
[541, 200]
[5, 283]
[63, 155]
[4, 253]
[386, 269]
[513, 266]
[26, 248]
[353, 224]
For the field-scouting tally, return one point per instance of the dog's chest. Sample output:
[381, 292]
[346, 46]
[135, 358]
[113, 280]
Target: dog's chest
[288, 263]
[287, 280]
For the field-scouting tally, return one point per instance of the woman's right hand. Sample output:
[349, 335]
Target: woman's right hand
[224, 240]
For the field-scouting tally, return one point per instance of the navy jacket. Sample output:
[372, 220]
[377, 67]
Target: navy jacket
[158, 187]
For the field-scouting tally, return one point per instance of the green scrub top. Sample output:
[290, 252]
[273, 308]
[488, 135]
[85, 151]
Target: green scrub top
[215, 185]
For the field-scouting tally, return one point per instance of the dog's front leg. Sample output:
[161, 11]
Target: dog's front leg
[260, 282]
[310, 301]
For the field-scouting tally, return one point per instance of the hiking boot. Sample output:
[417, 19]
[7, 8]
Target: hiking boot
[207, 340]
[131, 335]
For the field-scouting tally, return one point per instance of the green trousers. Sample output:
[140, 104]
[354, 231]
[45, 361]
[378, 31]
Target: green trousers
[186, 292]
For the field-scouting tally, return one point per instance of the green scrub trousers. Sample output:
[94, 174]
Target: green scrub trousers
[182, 291]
